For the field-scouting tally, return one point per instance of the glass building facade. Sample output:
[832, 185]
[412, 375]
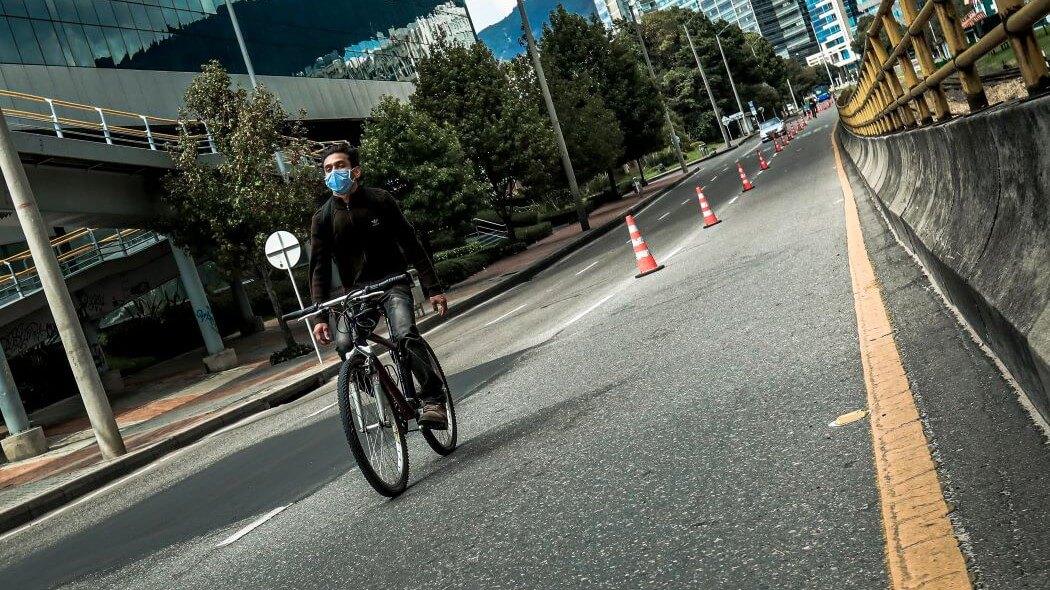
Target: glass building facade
[360, 39]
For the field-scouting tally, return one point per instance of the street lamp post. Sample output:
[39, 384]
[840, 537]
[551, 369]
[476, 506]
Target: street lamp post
[240, 43]
[251, 74]
[56, 292]
[707, 85]
[824, 58]
[739, 105]
[566, 161]
[675, 142]
[792, 92]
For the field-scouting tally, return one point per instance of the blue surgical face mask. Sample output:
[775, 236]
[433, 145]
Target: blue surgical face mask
[340, 181]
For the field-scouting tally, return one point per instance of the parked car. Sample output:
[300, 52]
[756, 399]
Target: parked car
[770, 128]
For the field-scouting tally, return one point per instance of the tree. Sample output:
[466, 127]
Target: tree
[497, 125]
[424, 165]
[575, 47]
[224, 212]
[863, 24]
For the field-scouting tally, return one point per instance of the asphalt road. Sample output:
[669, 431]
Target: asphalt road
[667, 432]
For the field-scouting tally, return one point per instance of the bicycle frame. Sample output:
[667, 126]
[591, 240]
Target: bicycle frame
[402, 407]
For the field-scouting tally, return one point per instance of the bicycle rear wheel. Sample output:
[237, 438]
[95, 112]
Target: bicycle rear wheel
[442, 441]
[375, 435]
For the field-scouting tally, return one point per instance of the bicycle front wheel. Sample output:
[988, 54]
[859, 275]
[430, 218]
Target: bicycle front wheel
[375, 435]
[442, 441]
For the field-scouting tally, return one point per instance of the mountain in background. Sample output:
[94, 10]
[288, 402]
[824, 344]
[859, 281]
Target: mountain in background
[503, 37]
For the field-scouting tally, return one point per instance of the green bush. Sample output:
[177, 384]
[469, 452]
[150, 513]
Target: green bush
[489, 215]
[558, 217]
[444, 240]
[454, 269]
[530, 216]
[465, 249]
[534, 233]
[290, 352]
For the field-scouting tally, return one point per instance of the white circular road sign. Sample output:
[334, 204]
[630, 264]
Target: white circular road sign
[283, 250]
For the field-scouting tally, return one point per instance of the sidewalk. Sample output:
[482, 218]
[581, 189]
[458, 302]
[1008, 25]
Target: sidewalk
[174, 403]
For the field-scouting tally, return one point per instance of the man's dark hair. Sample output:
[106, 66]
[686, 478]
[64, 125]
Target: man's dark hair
[342, 148]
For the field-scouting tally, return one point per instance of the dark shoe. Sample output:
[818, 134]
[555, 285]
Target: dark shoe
[434, 417]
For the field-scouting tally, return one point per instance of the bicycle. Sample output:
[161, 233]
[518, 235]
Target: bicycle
[376, 401]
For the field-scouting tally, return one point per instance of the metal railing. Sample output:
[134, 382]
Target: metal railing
[882, 103]
[489, 232]
[73, 120]
[76, 251]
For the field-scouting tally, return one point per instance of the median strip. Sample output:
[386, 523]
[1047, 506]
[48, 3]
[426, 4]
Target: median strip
[921, 548]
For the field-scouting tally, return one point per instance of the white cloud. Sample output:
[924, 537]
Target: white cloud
[488, 12]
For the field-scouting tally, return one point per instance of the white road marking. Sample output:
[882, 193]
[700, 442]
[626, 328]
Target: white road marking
[595, 306]
[251, 527]
[733, 200]
[472, 310]
[326, 408]
[504, 316]
[714, 178]
[662, 216]
[586, 268]
[673, 252]
[686, 201]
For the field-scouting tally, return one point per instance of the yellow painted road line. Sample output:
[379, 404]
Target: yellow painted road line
[921, 548]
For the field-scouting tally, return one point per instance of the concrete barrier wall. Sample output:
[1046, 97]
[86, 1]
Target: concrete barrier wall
[971, 199]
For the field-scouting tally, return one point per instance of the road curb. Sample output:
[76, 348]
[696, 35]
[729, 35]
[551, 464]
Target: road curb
[110, 471]
[41, 504]
[526, 274]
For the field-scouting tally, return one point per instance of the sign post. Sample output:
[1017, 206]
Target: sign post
[283, 251]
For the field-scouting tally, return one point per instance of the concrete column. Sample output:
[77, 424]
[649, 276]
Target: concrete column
[219, 357]
[99, 412]
[23, 441]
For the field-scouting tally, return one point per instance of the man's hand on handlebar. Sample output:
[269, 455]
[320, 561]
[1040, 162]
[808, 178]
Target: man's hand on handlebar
[440, 303]
[322, 333]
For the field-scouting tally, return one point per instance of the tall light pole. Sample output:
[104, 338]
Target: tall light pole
[240, 43]
[792, 92]
[739, 105]
[824, 58]
[707, 85]
[675, 142]
[566, 161]
[99, 412]
[251, 75]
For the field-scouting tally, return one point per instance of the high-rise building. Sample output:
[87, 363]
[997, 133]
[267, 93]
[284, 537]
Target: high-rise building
[737, 12]
[833, 31]
[784, 23]
[610, 11]
[139, 55]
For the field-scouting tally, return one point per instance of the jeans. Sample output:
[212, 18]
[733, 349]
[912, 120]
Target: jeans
[397, 304]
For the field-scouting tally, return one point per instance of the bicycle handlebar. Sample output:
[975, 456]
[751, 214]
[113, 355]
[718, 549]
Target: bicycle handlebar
[362, 292]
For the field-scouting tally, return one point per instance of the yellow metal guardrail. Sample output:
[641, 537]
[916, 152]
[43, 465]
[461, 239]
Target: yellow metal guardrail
[882, 103]
[76, 251]
[114, 127]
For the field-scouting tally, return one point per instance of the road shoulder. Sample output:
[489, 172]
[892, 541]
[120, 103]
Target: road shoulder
[990, 455]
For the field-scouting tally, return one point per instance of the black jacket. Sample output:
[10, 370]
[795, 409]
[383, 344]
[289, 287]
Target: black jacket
[370, 240]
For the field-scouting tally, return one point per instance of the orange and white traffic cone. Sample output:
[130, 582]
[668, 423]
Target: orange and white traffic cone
[776, 145]
[709, 215]
[762, 163]
[644, 259]
[743, 178]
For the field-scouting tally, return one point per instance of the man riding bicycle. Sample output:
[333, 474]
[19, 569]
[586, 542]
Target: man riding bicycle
[364, 231]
